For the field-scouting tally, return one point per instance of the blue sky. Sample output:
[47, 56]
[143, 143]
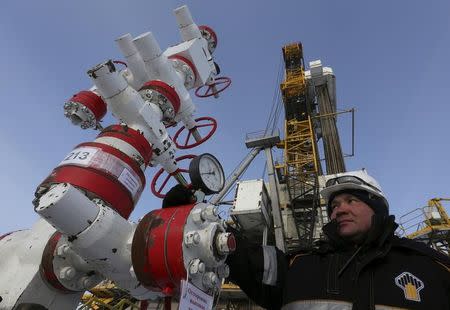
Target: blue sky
[390, 59]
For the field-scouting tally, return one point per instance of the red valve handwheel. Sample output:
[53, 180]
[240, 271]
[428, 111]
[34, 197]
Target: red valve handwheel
[211, 90]
[158, 192]
[173, 124]
[119, 62]
[208, 122]
[212, 33]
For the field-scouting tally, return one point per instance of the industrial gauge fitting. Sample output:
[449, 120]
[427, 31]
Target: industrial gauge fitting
[207, 174]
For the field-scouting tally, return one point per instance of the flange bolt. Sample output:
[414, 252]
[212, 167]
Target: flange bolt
[210, 280]
[192, 239]
[67, 273]
[196, 266]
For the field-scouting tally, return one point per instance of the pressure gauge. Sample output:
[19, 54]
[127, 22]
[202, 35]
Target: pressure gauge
[207, 174]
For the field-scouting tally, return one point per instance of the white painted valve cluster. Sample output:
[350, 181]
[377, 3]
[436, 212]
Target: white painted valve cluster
[129, 106]
[181, 67]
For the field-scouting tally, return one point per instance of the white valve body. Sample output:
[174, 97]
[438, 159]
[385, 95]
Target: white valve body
[127, 105]
[160, 68]
[195, 50]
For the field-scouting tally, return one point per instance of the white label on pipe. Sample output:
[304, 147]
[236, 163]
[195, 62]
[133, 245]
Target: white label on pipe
[80, 156]
[193, 298]
[96, 158]
[130, 181]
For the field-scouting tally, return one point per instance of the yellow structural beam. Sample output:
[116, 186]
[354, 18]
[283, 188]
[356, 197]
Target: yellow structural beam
[301, 164]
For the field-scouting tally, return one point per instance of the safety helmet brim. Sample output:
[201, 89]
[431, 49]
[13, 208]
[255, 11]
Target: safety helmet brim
[368, 184]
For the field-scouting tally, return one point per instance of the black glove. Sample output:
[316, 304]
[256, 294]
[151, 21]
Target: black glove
[178, 195]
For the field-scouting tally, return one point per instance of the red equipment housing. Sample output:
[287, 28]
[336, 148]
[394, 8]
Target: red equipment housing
[157, 249]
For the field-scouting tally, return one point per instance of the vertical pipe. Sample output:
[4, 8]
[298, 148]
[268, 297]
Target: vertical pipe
[188, 29]
[134, 60]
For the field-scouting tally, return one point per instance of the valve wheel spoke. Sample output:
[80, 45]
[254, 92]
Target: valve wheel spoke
[204, 125]
[158, 192]
[187, 138]
[212, 89]
[164, 183]
[202, 122]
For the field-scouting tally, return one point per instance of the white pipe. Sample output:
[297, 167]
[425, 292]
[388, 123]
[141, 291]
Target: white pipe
[147, 46]
[107, 80]
[106, 245]
[188, 29]
[67, 209]
[134, 61]
[100, 235]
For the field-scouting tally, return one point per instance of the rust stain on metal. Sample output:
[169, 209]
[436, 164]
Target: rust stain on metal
[142, 241]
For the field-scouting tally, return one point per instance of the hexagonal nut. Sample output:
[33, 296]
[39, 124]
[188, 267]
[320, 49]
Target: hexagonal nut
[67, 273]
[210, 280]
[196, 266]
[210, 213]
[196, 216]
[86, 282]
[223, 271]
[192, 238]
[62, 250]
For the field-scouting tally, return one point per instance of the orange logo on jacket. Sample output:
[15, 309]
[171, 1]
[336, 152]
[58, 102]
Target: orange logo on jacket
[410, 284]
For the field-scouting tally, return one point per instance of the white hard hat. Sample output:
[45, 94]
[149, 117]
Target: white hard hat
[352, 180]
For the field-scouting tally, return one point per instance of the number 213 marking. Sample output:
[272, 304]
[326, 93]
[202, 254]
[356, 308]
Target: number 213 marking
[77, 155]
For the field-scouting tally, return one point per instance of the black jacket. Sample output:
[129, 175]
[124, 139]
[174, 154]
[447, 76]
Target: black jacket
[385, 271]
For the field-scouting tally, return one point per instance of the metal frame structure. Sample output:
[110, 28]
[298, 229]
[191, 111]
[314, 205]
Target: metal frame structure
[301, 165]
[429, 224]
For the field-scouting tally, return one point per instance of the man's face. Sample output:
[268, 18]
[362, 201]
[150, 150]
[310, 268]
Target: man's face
[353, 216]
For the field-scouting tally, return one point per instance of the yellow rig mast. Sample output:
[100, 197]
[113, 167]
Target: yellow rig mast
[310, 115]
[301, 159]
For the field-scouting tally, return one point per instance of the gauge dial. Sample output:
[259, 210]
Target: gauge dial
[207, 174]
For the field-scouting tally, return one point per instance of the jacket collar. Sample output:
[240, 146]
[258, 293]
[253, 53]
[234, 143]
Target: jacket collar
[381, 232]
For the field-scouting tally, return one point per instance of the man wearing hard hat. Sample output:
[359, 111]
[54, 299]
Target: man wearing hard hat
[360, 265]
